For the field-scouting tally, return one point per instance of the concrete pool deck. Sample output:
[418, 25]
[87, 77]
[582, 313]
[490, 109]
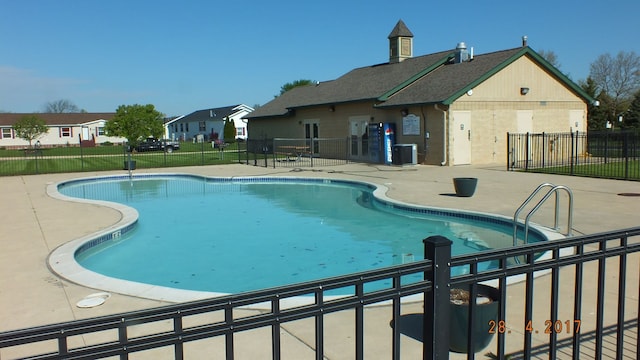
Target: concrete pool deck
[35, 224]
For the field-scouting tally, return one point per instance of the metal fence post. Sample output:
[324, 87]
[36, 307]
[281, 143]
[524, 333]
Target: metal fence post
[544, 149]
[526, 155]
[201, 153]
[435, 339]
[264, 149]
[571, 162]
[509, 167]
[625, 153]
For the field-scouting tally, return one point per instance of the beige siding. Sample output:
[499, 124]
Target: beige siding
[506, 84]
[333, 124]
[494, 105]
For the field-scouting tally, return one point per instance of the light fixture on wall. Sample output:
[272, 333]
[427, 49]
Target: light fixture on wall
[332, 108]
[404, 112]
[524, 90]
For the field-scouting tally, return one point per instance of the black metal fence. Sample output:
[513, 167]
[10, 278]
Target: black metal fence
[295, 153]
[115, 157]
[604, 154]
[537, 316]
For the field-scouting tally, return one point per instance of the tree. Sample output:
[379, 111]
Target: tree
[30, 127]
[61, 106]
[551, 57]
[229, 130]
[596, 115]
[290, 85]
[135, 122]
[632, 118]
[618, 78]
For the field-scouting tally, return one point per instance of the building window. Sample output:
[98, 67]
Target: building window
[7, 133]
[186, 127]
[65, 132]
[203, 126]
[181, 127]
[100, 131]
[240, 131]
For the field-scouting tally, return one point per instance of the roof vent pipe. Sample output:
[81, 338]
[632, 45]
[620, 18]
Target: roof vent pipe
[461, 53]
[524, 41]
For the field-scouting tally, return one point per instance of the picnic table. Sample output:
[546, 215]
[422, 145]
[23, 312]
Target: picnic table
[293, 151]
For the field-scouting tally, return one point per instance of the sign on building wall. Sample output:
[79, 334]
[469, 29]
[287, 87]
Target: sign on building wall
[411, 125]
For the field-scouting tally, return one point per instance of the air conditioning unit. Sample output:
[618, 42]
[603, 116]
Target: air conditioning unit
[405, 154]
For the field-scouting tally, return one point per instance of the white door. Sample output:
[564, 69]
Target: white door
[525, 121]
[461, 137]
[524, 125]
[576, 120]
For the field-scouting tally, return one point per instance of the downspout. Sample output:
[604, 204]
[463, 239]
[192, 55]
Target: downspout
[444, 134]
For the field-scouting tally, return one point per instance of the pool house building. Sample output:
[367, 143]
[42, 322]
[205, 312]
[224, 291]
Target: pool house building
[454, 105]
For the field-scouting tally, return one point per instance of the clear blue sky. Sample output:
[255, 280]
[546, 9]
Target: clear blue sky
[186, 55]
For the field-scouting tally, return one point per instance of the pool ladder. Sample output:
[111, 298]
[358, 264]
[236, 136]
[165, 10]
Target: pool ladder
[553, 191]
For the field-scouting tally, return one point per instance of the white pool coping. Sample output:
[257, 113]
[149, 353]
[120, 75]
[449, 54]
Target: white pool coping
[62, 259]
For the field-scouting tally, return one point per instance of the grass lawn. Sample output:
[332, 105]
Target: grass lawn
[611, 170]
[75, 159]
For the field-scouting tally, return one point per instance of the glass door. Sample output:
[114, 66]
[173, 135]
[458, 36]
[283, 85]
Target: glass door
[311, 134]
[359, 137]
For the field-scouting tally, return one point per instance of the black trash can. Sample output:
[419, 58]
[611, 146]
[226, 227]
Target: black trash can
[130, 165]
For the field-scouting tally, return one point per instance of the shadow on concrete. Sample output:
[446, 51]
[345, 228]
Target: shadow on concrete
[411, 325]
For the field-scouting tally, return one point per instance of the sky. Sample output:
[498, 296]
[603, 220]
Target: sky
[183, 56]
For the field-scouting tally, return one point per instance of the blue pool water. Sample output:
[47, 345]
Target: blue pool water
[231, 236]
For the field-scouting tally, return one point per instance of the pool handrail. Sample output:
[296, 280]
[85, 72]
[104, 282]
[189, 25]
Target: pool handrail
[554, 190]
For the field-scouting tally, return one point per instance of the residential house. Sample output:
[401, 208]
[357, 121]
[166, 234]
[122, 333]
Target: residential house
[208, 124]
[65, 129]
[454, 105]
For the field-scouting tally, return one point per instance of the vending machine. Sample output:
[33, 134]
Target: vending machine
[382, 137]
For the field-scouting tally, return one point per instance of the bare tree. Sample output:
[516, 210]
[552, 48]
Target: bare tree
[550, 56]
[61, 106]
[618, 78]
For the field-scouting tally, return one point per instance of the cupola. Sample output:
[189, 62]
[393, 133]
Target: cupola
[400, 43]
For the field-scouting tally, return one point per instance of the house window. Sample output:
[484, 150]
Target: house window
[186, 126]
[240, 131]
[65, 132]
[181, 127]
[7, 133]
[203, 126]
[100, 131]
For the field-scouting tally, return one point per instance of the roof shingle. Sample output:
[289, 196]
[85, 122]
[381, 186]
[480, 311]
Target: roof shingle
[56, 119]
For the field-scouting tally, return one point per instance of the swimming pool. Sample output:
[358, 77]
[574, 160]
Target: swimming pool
[228, 235]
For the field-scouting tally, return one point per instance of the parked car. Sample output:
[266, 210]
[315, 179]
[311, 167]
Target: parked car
[153, 144]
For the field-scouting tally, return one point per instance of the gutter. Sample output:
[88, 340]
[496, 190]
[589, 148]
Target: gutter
[444, 134]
